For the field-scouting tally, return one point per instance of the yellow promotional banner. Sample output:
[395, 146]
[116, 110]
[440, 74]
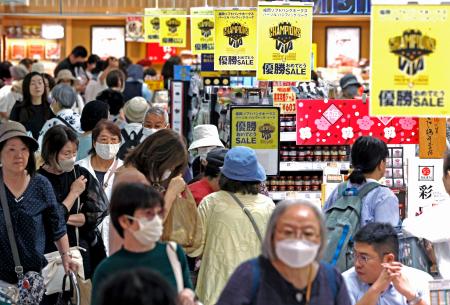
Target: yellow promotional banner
[151, 24]
[410, 49]
[202, 30]
[284, 41]
[258, 128]
[173, 29]
[235, 43]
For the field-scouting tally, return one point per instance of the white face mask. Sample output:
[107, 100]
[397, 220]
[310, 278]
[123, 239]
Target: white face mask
[66, 165]
[203, 152]
[149, 231]
[296, 253]
[107, 151]
[149, 131]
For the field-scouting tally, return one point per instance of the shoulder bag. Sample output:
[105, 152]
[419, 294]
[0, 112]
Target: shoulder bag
[30, 287]
[249, 215]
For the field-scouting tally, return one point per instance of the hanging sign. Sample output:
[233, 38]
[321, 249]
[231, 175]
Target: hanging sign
[235, 44]
[285, 99]
[341, 122]
[284, 41]
[202, 30]
[151, 24]
[135, 29]
[173, 29]
[410, 48]
[432, 141]
[258, 128]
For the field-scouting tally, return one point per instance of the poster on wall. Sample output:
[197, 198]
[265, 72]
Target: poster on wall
[135, 29]
[433, 136]
[258, 128]
[235, 44]
[202, 30]
[52, 51]
[36, 50]
[343, 46]
[341, 122]
[284, 41]
[18, 49]
[410, 47]
[158, 54]
[173, 29]
[108, 41]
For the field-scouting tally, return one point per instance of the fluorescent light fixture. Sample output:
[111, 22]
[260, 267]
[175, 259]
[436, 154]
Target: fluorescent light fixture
[52, 31]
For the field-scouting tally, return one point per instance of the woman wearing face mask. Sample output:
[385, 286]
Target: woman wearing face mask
[34, 110]
[70, 182]
[137, 211]
[161, 158]
[102, 163]
[289, 270]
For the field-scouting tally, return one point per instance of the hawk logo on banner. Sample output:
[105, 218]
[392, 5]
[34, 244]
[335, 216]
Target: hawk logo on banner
[205, 27]
[235, 32]
[173, 25]
[411, 49]
[155, 23]
[284, 34]
[266, 131]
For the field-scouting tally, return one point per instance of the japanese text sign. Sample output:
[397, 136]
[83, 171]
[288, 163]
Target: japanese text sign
[432, 141]
[285, 99]
[151, 24]
[284, 41]
[341, 122]
[410, 49]
[172, 32]
[258, 128]
[235, 40]
[202, 30]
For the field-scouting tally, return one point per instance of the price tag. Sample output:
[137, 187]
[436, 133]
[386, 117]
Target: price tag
[285, 99]
[291, 195]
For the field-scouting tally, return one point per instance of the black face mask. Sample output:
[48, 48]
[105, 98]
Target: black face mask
[78, 64]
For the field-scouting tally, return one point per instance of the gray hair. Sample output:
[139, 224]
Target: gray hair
[268, 247]
[159, 112]
[65, 95]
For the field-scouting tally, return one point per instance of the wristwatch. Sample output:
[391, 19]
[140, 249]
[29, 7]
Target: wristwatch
[416, 300]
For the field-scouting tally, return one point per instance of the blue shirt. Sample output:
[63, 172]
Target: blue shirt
[84, 146]
[417, 279]
[35, 210]
[379, 205]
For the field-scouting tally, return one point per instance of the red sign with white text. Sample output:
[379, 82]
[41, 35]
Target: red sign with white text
[341, 122]
[157, 54]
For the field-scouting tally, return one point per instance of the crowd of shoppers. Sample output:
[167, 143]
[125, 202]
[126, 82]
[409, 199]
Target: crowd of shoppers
[110, 172]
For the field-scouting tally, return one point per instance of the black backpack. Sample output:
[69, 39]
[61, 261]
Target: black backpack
[130, 142]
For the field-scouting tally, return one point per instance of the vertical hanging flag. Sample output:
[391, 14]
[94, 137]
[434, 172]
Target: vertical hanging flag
[173, 28]
[235, 43]
[151, 24]
[284, 41]
[202, 30]
[410, 49]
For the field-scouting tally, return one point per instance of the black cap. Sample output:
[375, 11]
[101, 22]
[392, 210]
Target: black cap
[348, 80]
[216, 157]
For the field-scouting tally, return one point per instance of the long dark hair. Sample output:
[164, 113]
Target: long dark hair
[367, 153]
[163, 150]
[25, 106]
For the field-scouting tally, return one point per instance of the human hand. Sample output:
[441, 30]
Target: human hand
[176, 186]
[69, 264]
[186, 297]
[78, 186]
[383, 281]
[399, 280]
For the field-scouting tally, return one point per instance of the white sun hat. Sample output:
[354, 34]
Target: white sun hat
[205, 135]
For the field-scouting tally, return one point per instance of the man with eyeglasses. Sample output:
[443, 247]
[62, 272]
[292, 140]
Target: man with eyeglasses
[377, 277]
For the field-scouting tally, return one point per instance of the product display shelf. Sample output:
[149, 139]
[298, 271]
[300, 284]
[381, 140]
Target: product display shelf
[288, 136]
[310, 166]
[295, 195]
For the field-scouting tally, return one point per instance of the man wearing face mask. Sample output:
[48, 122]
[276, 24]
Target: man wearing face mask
[289, 270]
[378, 277]
[350, 86]
[137, 213]
[205, 139]
[133, 132]
[155, 119]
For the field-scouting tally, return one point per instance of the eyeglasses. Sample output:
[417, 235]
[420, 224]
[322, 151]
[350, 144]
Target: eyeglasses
[362, 258]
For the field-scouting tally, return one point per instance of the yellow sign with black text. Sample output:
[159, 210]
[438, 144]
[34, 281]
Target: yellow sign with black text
[258, 128]
[202, 30]
[173, 29]
[284, 41]
[235, 41]
[151, 24]
[410, 49]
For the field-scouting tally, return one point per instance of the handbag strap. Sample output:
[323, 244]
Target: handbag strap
[249, 215]
[77, 233]
[12, 239]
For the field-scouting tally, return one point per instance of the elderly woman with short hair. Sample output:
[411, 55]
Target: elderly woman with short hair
[289, 270]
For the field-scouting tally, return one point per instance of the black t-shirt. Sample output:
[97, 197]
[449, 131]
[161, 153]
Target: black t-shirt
[100, 176]
[64, 65]
[34, 121]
